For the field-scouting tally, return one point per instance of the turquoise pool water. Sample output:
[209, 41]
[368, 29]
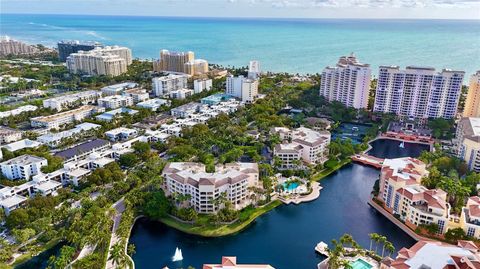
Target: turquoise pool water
[291, 187]
[360, 264]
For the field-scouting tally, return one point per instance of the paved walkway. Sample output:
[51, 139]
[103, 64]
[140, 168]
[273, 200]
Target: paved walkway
[397, 222]
[119, 207]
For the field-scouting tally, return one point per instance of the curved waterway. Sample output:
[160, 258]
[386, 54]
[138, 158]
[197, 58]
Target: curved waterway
[284, 237]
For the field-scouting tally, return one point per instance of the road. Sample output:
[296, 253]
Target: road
[119, 207]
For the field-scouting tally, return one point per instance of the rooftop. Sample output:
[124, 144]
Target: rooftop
[65, 114]
[24, 160]
[82, 148]
[21, 144]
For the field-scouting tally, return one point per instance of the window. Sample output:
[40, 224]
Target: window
[471, 232]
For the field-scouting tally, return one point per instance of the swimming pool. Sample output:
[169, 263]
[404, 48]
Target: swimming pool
[291, 187]
[360, 264]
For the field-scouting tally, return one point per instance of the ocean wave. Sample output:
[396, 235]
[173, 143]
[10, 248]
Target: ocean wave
[72, 30]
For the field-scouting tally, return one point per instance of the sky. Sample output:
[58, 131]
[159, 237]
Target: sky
[426, 9]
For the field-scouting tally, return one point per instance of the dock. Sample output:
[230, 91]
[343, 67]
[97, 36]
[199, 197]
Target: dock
[322, 248]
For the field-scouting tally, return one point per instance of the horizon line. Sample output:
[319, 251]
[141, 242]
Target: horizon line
[243, 17]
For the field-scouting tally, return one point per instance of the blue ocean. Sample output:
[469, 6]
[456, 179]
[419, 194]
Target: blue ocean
[291, 45]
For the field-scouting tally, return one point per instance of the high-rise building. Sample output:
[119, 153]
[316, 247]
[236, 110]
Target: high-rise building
[472, 104]
[243, 88]
[254, 69]
[180, 62]
[67, 47]
[348, 82]
[418, 92]
[467, 142]
[200, 85]
[196, 67]
[10, 46]
[173, 61]
[108, 61]
[162, 86]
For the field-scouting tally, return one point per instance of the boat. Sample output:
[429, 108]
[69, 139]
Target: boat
[402, 145]
[178, 255]
[355, 129]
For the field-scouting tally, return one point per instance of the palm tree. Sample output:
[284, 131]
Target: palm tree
[383, 240]
[117, 255]
[372, 238]
[390, 248]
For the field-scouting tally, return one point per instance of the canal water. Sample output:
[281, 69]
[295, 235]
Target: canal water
[388, 148]
[286, 236]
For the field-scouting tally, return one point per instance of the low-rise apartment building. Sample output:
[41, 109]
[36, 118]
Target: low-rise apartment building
[22, 167]
[22, 144]
[301, 145]
[154, 104]
[60, 119]
[81, 151]
[72, 100]
[181, 94]
[121, 134]
[137, 94]
[116, 113]
[8, 135]
[118, 89]
[17, 111]
[115, 101]
[470, 217]
[467, 142]
[54, 139]
[203, 187]
[200, 85]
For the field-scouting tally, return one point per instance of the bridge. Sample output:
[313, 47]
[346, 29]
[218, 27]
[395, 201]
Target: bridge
[368, 160]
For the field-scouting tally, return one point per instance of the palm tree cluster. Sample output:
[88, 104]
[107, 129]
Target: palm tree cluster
[381, 240]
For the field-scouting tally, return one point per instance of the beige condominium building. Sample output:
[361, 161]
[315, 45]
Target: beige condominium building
[60, 119]
[301, 145]
[467, 142]
[9, 46]
[204, 187]
[108, 61]
[180, 62]
[472, 103]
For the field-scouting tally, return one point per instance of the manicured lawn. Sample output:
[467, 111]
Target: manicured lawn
[327, 171]
[205, 228]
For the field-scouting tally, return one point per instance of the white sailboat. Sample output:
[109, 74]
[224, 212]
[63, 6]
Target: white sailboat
[178, 255]
[402, 145]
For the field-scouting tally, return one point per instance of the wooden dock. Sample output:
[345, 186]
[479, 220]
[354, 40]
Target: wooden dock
[368, 160]
[322, 248]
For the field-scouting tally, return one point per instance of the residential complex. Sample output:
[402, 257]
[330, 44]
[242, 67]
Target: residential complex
[115, 101]
[347, 83]
[55, 139]
[137, 94]
[181, 93]
[10, 46]
[403, 195]
[116, 113]
[162, 86]
[203, 187]
[435, 254]
[60, 119]
[83, 150]
[243, 88]
[418, 92]
[180, 62]
[22, 144]
[121, 134]
[231, 263]
[470, 217]
[306, 146]
[17, 111]
[22, 167]
[472, 103]
[154, 104]
[118, 89]
[467, 142]
[108, 61]
[67, 47]
[200, 85]
[72, 100]
[8, 135]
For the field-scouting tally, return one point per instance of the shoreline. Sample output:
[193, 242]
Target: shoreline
[230, 229]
